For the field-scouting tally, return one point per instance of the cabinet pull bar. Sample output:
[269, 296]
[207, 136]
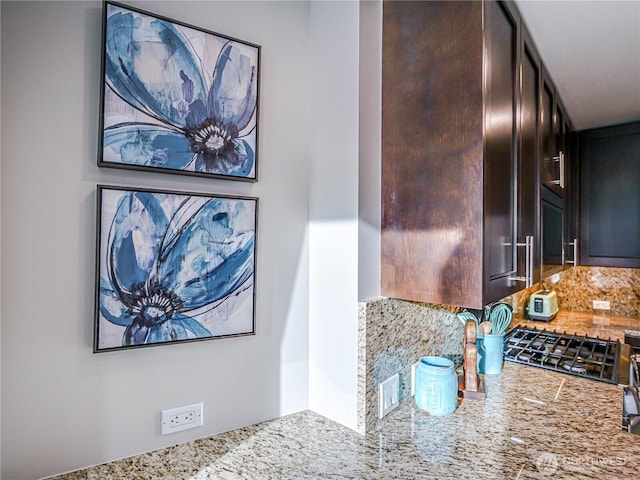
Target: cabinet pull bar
[574, 244]
[560, 181]
[529, 259]
[528, 255]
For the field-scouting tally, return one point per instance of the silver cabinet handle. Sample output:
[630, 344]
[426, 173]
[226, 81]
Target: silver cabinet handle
[528, 255]
[560, 159]
[530, 252]
[575, 252]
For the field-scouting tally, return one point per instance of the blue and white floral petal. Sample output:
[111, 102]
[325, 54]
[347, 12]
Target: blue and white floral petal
[148, 145]
[111, 306]
[139, 225]
[208, 260]
[151, 65]
[190, 325]
[233, 94]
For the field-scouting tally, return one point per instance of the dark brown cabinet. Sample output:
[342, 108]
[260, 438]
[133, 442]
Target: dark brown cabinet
[610, 196]
[475, 162]
[548, 172]
[449, 151]
[528, 164]
[554, 138]
[557, 242]
[571, 199]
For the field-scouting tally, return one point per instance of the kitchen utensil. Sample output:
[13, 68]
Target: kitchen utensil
[464, 316]
[500, 315]
[470, 332]
[471, 380]
[485, 327]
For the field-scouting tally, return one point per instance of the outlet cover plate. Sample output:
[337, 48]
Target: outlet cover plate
[388, 395]
[601, 305]
[414, 367]
[181, 418]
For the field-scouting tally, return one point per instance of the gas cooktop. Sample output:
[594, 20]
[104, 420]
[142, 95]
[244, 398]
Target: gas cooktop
[582, 356]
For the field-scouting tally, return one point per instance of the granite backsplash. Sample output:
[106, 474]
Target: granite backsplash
[394, 334]
[579, 286]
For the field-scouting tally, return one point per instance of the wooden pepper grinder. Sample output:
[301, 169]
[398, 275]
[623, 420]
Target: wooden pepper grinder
[473, 388]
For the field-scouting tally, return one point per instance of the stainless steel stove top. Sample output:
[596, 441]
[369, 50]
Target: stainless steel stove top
[578, 355]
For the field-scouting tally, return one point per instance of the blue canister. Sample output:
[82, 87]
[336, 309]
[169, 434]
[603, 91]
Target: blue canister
[490, 355]
[436, 386]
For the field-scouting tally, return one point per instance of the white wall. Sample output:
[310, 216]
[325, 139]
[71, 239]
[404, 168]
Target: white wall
[333, 227]
[64, 407]
[370, 149]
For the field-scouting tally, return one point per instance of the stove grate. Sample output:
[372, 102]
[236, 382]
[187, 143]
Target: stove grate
[578, 355]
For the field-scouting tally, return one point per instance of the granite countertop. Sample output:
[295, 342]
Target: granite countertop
[533, 424]
[583, 323]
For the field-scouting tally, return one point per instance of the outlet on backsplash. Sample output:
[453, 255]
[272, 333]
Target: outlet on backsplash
[414, 367]
[388, 395]
[601, 305]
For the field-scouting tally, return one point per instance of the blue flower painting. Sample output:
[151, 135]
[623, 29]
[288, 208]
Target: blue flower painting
[173, 267]
[177, 98]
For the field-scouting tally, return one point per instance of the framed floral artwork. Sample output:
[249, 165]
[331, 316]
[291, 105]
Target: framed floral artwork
[173, 267]
[177, 99]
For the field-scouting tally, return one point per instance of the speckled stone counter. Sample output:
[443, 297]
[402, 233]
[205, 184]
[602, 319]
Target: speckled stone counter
[392, 335]
[581, 323]
[534, 424]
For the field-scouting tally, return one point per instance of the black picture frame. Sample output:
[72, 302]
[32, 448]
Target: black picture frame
[176, 98]
[173, 267]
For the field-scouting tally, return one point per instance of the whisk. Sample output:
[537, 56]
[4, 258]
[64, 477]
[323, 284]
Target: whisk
[500, 315]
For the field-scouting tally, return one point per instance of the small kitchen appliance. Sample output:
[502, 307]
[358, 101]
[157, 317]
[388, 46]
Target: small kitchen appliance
[543, 305]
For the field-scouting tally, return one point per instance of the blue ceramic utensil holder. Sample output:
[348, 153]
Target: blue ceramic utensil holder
[490, 355]
[436, 386]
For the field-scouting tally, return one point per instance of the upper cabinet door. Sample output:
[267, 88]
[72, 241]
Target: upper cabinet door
[432, 152]
[501, 40]
[529, 151]
[548, 171]
[610, 197]
[461, 152]
[553, 148]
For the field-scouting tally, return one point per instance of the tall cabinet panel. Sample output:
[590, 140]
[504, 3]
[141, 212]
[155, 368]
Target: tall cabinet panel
[501, 41]
[548, 168]
[609, 196]
[558, 242]
[448, 191]
[528, 184]
[572, 197]
[432, 152]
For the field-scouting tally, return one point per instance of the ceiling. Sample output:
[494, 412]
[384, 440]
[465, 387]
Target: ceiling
[592, 51]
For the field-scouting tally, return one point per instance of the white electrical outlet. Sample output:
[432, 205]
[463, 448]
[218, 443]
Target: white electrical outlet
[601, 305]
[414, 367]
[388, 395]
[181, 418]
